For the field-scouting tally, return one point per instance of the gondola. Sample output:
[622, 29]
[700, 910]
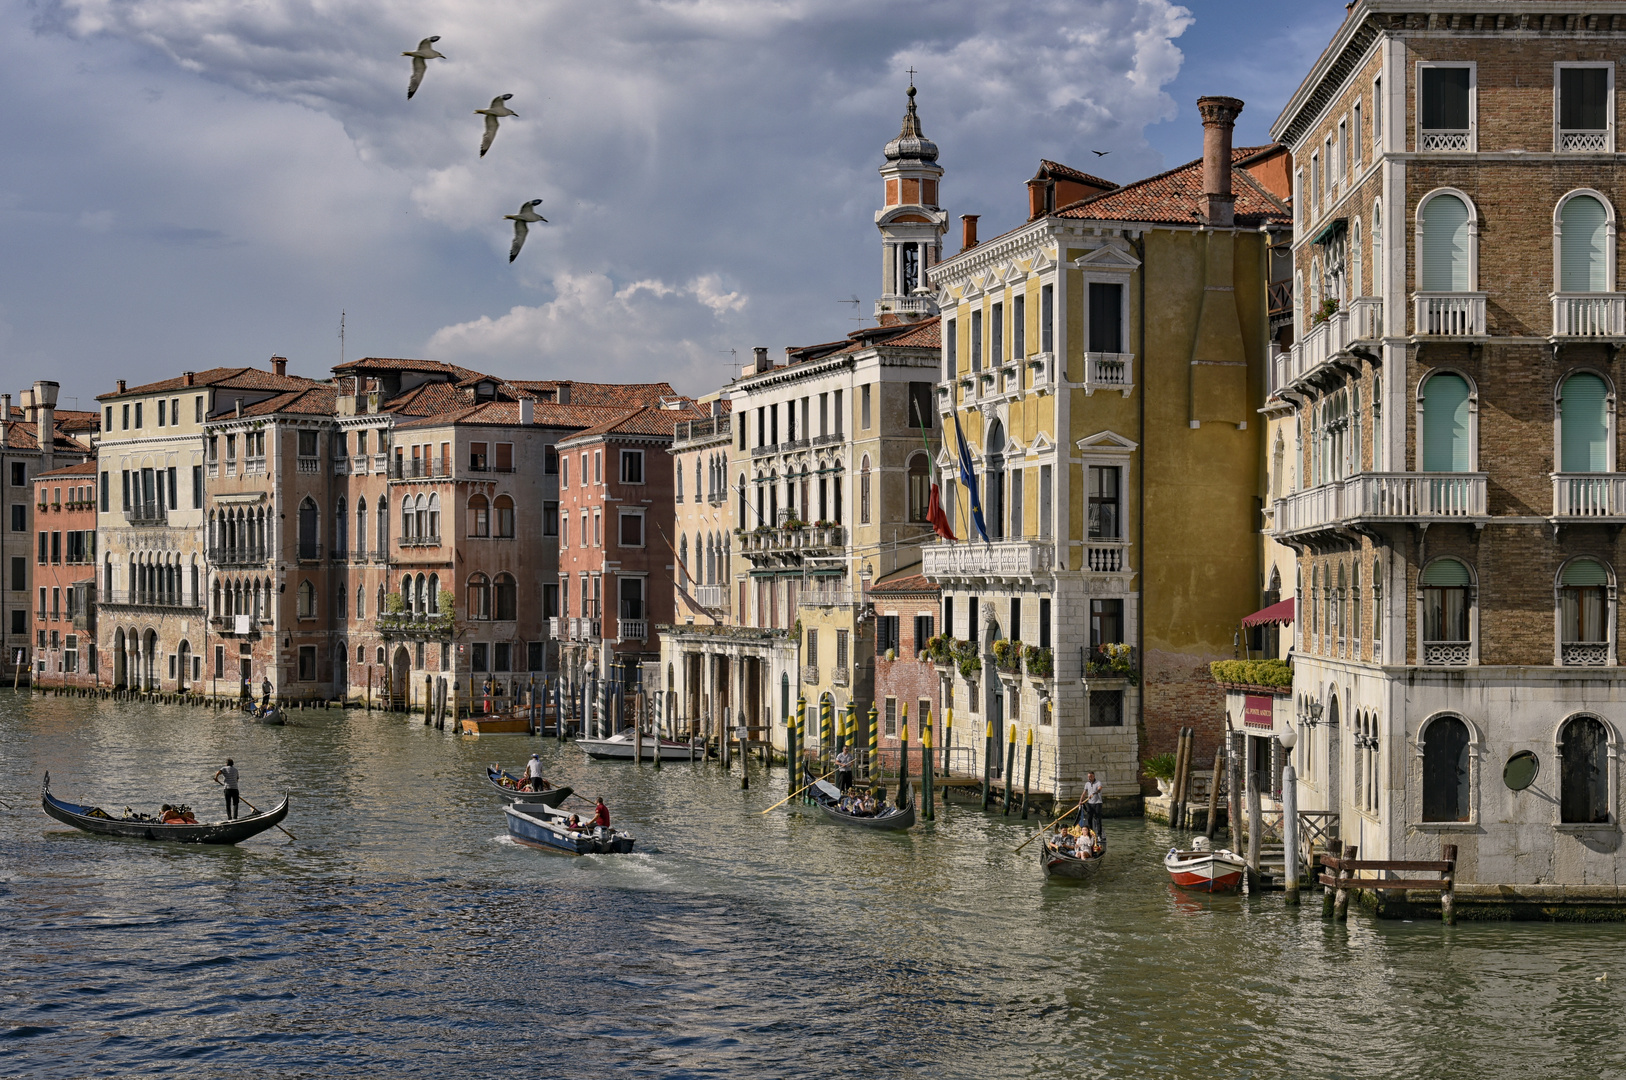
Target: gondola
[1064, 864]
[273, 716]
[212, 832]
[553, 796]
[828, 797]
[544, 827]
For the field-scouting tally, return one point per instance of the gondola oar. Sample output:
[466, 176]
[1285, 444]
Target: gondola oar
[256, 809]
[798, 791]
[1071, 810]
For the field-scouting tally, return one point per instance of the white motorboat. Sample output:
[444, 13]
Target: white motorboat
[621, 747]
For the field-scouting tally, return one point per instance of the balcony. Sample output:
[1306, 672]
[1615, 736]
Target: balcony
[152, 513]
[1448, 314]
[1583, 142]
[793, 545]
[711, 596]
[553, 626]
[1411, 497]
[341, 466]
[419, 469]
[632, 629]
[810, 673]
[145, 598]
[1589, 315]
[1043, 366]
[1109, 371]
[1446, 653]
[255, 466]
[419, 624]
[1336, 335]
[907, 305]
[1453, 141]
[1106, 556]
[694, 430]
[432, 540]
[237, 556]
[380, 463]
[309, 552]
[1006, 560]
[585, 629]
[1584, 653]
[309, 465]
[839, 676]
[1589, 495]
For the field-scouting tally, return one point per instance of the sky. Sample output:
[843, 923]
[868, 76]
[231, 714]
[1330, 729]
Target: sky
[197, 183]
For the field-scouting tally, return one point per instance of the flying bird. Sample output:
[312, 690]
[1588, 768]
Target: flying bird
[1100, 153]
[497, 110]
[421, 56]
[522, 225]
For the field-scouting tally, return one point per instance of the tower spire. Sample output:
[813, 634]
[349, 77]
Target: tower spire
[911, 222]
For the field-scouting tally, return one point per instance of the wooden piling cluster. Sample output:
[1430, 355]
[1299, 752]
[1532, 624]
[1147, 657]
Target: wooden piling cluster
[1343, 880]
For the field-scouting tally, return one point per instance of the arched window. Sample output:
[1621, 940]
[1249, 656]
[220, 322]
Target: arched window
[504, 508]
[420, 517]
[1377, 249]
[341, 526]
[434, 517]
[1315, 601]
[1583, 783]
[505, 598]
[307, 600]
[406, 518]
[1445, 584]
[1583, 613]
[683, 561]
[863, 491]
[1583, 245]
[1445, 770]
[1447, 429]
[361, 530]
[479, 597]
[420, 604]
[434, 594]
[1444, 245]
[361, 611]
[677, 480]
[479, 516]
[993, 484]
[1342, 617]
[1357, 287]
[1583, 418]
[308, 539]
[383, 525]
[920, 487]
[406, 593]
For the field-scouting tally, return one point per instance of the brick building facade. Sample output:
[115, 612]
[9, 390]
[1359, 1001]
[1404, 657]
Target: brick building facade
[65, 576]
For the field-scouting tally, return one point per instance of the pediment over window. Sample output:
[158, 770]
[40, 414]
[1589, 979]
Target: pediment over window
[1109, 259]
[1106, 442]
[1044, 260]
[1041, 444]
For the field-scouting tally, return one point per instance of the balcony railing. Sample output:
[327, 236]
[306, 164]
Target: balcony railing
[839, 676]
[632, 629]
[1106, 556]
[1280, 297]
[1446, 653]
[309, 552]
[419, 469]
[585, 629]
[152, 513]
[1589, 495]
[432, 540]
[1583, 142]
[1448, 314]
[255, 466]
[1445, 140]
[1361, 320]
[1589, 314]
[711, 596]
[1585, 653]
[309, 465]
[436, 624]
[1043, 366]
[1109, 371]
[710, 427]
[553, 626]
[810, 673]
[144, 598]
[1391, 496]
[808, 540]
[1004, 559]
[237, 556]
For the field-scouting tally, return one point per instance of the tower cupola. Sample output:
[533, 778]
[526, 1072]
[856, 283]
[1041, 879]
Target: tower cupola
[911, 221]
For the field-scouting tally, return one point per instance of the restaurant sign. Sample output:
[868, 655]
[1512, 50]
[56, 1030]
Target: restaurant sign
[1258, 711]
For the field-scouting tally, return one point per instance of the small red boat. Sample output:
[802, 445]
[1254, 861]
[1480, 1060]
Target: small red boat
[1204, 869]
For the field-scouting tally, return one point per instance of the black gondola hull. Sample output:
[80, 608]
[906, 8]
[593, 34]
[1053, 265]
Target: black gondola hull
[219, 832]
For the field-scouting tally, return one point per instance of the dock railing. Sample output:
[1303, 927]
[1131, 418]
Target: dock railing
[1344, 866]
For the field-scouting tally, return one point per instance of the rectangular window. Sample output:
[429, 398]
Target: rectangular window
[534, 657]
[886, 634]
[1019, 327]
[174, 502]
[1106, 708]
[598, 529]
[107, 424]
[138, 423]
[45, 547]
[632, 530]
[996, 334]
[1047, 313]
[841, 422]
[550, 518]
[478, 459]
[790, 422]
[19, 517]
[1445, 108]
[505, 457]
[478, 654]
[220, 661]
[1106, 623]
[197, 487]
[1343, 149]
[1377, 116]
[307, 663]
[864, 409]
[598, 466]
[976, 340]
[891, 711]
[1044, 501]
[56, 547]
[1018, 522]
[923, 631]
[550, 461]
[1106, 317]
[19, 573]
[1044, 622]
[161, 404]
[197, 409]
[124, 417]
[1585, 94]
[550, 602]
[948, 616]
[921, 410]
[951, 351]
[1105, 523]
[1355, 138]
[1315, 186]
[632, 466]
[502, 654]
[841, 649]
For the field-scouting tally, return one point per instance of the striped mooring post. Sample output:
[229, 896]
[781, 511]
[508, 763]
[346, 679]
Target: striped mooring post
[928, 810]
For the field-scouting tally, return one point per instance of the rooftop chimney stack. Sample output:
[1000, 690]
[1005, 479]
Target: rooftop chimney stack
[969, 238]
[762, 361]
[527, 411]
[188, 378]
[5, 419]
[1219, 119]
[279, 364]
[45, 418]
[121, 386]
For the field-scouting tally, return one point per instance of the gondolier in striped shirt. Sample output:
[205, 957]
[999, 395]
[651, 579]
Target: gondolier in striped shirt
[1089, 804]
[227, 774]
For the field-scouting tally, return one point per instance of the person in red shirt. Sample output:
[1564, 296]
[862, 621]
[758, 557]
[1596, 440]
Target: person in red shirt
[601, 815]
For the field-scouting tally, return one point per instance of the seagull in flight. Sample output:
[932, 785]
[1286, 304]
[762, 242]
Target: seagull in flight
[497, 110]
[1100, 153]
[421, 56]
[522, 225]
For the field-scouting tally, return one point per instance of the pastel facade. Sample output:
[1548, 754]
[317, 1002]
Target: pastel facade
[65, 577]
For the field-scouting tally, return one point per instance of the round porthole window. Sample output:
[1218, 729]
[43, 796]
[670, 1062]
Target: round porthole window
[1520, 770]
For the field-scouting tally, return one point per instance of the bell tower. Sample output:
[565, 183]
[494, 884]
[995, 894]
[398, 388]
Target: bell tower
[911, 222]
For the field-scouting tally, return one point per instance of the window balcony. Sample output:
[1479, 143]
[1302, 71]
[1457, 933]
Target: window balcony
[1589, 315]
[810, 673]
[419, 624]
[1106, 556]
[341, 466]
[1448, 314]
[793, 544]
[1109, 371]
[632, 629]
[310, 552]
[1589, 495]
[237, 556]
[711, 596]
[839, 677]
[1584, 142]
[1409, 497]
[1043, 366]
[1446, 653]
[255, 466]
[309, 465]
[1585, 653]
[152, 513]
[432, 540]
[697, 430]
[1457, 141]
[1005, 560]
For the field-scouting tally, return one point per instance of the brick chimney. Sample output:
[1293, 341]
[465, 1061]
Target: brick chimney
[279, 364]
[969, 236]
[121, 386]
[762, 361]
[188, 378]
[1219, 118]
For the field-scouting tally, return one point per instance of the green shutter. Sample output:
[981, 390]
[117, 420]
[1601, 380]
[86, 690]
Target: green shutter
[1585, 425]
[1445, 245]
[1445, 572]
[1583, 249]
[1585, 572]
[1445, 424]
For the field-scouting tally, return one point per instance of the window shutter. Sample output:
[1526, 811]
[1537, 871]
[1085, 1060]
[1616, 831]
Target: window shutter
[1445, 424]
[1445, 245]
[1446, 573]
[1585, 425]
[1585, 572]
[1582, 250]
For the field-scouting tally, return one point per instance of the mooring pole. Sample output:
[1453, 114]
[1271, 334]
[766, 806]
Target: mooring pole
[948, 740]
[929, 811]
[1027, 773]
[1010, 769]
[988, 765]
[1290, 833]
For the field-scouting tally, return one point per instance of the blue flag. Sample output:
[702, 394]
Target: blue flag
[968, 477]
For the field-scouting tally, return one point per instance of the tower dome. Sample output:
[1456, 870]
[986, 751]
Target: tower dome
[910, 143]
[910, 220]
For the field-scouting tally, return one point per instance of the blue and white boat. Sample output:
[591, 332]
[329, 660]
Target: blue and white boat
[548, 828]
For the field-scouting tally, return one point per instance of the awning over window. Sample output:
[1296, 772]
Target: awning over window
[1330, 229]
[1275, 615]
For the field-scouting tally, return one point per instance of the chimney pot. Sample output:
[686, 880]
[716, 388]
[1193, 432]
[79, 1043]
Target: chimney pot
[188, 378]
[527, 411]
[762, 361]
[279, 365]
[969, 237]
[121, 386]
[1219, 120]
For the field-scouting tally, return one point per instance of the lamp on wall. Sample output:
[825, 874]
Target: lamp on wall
[1312, 712]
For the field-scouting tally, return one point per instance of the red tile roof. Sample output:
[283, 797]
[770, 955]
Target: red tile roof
[21, 435]
[427, 400]
[83, 468]
[506, 414]
[925, 334]
[912, 583]
[231, 378]
[1174, 197]
[394, 363]
[320, 400]
[645, 421]
[1057, 171]
[614, 395]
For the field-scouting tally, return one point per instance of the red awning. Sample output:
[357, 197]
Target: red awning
[1274, 615]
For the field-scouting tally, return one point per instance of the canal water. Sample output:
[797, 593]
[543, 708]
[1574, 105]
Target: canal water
[401, 934]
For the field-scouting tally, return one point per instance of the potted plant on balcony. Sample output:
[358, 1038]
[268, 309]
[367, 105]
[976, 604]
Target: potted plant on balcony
[965, 656]
[1008, 656]
[1329, 308]
[1041, 663]
[1161, 769]
[1113, 661]
[446, 600]
[940, 649]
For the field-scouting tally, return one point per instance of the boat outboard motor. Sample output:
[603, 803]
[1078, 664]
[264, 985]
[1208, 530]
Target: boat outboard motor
[1200, 843]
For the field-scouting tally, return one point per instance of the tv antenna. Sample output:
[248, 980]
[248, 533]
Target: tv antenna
[732, 354]
[341, 339]
[854, 301]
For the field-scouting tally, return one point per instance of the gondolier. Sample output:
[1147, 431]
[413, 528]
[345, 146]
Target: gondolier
[844, 769]
[533, 773]
[227, 774]
[1089, 804]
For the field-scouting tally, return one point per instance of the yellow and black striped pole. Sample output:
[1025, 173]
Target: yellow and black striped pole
[1010, 769]
[798, 724]
[903, 756]
[988, 765]
[1027, 773]
[929, 810]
